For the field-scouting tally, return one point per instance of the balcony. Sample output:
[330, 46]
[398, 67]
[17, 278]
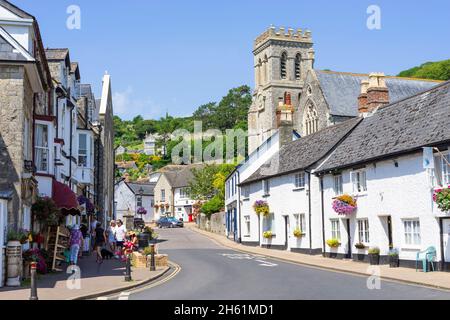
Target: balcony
[85, 175]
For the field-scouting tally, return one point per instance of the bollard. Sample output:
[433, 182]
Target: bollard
[152, 258]
[33, 296]
[128, 269]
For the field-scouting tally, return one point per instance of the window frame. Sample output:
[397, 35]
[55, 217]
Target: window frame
[266, 187]
[245, 192]
[45, 149]
[300, 181]
[269, 218]
[85, 155]
[336, 232]
[163, 195]
[338, 186]
[412, 233]
[361, 186]
[300, 222]
[363, 231]
[247, 223]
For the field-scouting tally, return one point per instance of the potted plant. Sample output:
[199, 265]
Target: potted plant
[442, 199]
[142, 211]
[298, 233]
[46, 211]
[360, 246]
[394, 261]
[374, 256]
[344, 205]
[333, 243]
[268, 235]
[14, 257]
[261, 207]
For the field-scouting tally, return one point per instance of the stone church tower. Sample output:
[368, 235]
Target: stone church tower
[282, 59]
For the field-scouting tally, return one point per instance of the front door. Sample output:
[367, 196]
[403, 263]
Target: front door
[446, 239]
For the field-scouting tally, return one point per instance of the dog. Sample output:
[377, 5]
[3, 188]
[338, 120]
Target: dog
[106, 254]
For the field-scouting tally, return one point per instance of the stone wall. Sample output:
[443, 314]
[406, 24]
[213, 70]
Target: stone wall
[215, 224]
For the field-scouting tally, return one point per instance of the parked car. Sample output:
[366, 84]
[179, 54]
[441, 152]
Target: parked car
[170, 223]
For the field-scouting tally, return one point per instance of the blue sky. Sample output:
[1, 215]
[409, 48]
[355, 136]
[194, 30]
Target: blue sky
[176, 55]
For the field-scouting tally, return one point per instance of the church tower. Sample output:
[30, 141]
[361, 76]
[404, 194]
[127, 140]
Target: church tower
[282, 59]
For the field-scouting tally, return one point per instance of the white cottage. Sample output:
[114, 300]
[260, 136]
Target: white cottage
[381, 165]
[286, 184]
[130, 197]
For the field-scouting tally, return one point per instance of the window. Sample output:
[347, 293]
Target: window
[440, 175]
[269, 223]
[338, 185]
[82, 150]
[163, 195]
[183, 193]
[26, 222]
[446, 169]
[299, 180]
[300, 222]
[3, 222]
[335, 230]
[247, 226]
[298, 59]
[359, 181]
[363, 231]
[412, 232]
[312, 120]
[283, 62]
[245, 192]
[42, 150]
[139, 202]
[266, 187]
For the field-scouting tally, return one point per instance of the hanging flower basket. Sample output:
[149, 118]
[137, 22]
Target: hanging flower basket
[333, 243]
[261, 207]
[344, 205]
[46, 211]
[298, 233]
[156, 206]
[442, 199]
[142, 211]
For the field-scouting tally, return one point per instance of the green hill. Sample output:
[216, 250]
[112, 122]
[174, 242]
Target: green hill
[439, 70]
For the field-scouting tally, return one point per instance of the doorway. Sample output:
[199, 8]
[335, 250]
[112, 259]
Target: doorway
[349, 244]
[287, 227]
[389, 225]
[445, 242]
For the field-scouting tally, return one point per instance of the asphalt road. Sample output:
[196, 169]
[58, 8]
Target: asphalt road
[212, 272]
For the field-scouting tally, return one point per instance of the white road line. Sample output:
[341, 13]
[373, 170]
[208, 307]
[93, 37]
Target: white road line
[102, 298]
[125, 296]
[266, 264]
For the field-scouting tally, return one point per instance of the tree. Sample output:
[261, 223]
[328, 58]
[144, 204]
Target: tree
[430, 70]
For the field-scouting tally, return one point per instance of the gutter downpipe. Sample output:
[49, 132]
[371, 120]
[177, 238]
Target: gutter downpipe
[72, 107]
[323, 216]
[310, 212]
[239, 206]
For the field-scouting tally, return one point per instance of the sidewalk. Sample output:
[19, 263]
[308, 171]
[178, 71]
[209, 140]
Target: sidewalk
[96, 280]
[439, 280]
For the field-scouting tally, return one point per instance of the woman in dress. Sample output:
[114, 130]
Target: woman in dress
[100, 241]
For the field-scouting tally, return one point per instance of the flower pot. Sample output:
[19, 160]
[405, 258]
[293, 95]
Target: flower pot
[14, 264]
[394, 261]
[374, 259]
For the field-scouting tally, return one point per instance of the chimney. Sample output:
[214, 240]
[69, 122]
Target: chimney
[377, 91]
[285, 124]
[362, 99]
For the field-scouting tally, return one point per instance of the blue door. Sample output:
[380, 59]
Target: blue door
[235, 224]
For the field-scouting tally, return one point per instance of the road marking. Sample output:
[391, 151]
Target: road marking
[266, 263]
[125, 296]
[102, 298]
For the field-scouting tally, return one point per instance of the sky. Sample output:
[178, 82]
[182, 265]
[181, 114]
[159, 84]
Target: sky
[173, 56]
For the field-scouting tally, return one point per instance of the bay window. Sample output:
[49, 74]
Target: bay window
[82, 150]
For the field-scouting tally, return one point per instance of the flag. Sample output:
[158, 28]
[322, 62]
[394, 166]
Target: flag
[428, 158]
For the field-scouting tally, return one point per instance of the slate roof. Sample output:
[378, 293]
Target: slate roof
[304, 152]
[181, 177]
[16, 10]
[56, 54]
[341, 89]
[148, 188]
[403, 127]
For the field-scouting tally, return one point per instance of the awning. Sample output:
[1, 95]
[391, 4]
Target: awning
[65, 199]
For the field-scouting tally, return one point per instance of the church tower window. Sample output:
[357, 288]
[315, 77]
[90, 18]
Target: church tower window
[298, 59]
[283, 62]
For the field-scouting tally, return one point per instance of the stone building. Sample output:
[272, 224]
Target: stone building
[284, 63]
[25, 84]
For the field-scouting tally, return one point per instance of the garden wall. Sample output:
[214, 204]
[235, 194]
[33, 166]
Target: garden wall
[216, 224]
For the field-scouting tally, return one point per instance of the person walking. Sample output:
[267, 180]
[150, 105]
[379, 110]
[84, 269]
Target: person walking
[75, 242]
[100, 241]
[111, 233]
[121, 233]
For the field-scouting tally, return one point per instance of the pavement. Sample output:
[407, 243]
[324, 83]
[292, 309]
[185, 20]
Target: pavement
[211, 268]
[440, 280]
[96, 280]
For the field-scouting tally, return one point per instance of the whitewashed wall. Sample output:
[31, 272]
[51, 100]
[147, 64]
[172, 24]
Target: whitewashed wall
[402, 192]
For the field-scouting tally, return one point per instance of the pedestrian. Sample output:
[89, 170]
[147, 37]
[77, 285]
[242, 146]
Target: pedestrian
[75, 242]
[121, 233]
[92, 228]
[100, 241]
[111, 233]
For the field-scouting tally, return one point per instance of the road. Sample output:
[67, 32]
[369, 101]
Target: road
[212, 272]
